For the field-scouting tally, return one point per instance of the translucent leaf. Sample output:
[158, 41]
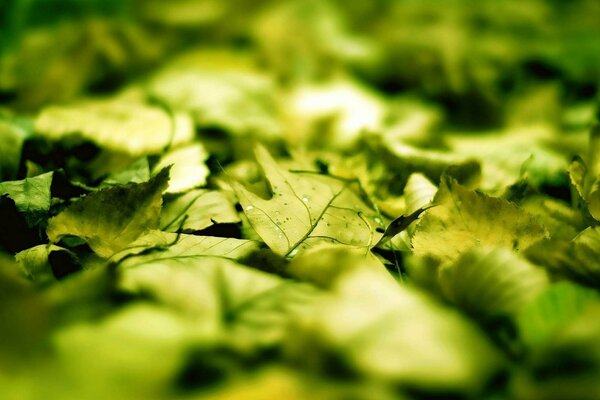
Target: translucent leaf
[109, 219]
[464, 219]
[492, 282]
[306, 209]
[200, 208]
[32, 196]
[117, 125]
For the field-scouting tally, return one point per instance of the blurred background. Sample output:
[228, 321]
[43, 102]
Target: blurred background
[475, 59]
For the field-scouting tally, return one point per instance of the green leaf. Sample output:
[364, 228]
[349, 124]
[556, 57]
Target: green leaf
[188, 170]
[117, 125]
[306, 209]
[160, 246]
[492, 282]
[46, 262]
[464, 219]
[198, 210]
[32, 196]
[109, 219]
[558, 305]
[117, 349]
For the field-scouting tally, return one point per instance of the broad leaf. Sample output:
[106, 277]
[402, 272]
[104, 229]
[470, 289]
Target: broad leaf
[352, 109]
[197, 210]
[464, 219]
[585, 175]
[109, 219]
[116, 125]
[306, 209]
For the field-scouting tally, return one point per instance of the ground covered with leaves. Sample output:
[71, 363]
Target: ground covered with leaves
[205, 199]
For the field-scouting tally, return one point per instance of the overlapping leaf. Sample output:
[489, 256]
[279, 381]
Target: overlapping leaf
[109, 219]
[197, 210]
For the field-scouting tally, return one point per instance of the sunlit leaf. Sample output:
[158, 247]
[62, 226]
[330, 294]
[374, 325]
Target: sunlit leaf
[306, 209]
[117, 125]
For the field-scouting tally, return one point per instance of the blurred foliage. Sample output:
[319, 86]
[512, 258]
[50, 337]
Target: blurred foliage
[307, 199]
